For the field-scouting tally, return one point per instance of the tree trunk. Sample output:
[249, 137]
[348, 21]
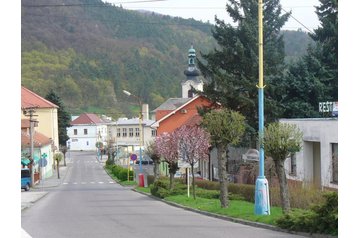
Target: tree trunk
[285, 199]
[173, 167]
[156, 165]
[64, 159]
[224, 196]
[171, 181]
[193, 181]
[58, 168]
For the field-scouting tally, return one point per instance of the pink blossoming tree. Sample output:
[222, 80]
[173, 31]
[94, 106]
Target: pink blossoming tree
[193, 146]
[167, 147]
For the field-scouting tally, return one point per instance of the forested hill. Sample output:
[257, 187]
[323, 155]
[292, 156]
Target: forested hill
[89, 51]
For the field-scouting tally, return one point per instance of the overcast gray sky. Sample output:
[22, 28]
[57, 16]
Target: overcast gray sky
[205, 10]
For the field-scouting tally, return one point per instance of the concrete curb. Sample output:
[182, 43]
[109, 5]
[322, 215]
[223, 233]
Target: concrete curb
[32, 198]
[236, 220]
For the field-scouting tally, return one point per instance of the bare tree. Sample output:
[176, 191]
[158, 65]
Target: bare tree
[280, 140]
[152, 151]
[58, 157]
[226, 128]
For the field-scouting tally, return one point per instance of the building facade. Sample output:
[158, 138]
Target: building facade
[85, 131]
[126, 134]
[317, 162]
[45, 112]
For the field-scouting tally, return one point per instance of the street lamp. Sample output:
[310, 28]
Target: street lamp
[141, 178]
[262, 202]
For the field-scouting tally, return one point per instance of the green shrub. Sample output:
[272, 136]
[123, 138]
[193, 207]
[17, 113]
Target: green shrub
[119, 172]
[321, 218]
[123, 174]
[327, 214]
[150, 179]
[110, 162]
[245, 191]
[116, 171]
[206, 184]
[297, 220]
[109, 166]
[210, 194]
[161, 188]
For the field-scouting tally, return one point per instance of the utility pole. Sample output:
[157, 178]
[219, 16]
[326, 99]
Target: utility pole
[262, 200]
[29, 112]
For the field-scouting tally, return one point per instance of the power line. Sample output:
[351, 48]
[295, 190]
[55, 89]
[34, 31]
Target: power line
[84, 4]
[120, 21]
[298, 21]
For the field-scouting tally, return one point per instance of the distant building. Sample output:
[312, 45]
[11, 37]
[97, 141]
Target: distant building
[124, 134]
[85, 131]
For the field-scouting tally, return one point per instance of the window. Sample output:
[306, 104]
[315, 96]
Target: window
[136, 132]
[293, 165]
[118, 132]
[335, 163]
[75, 132]
[87, 143]
[85, 131]
[130, 132]
[190, 93]
[154, 132]
[124, 132]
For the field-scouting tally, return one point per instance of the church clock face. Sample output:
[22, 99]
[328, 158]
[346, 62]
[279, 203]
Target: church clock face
[191, 69]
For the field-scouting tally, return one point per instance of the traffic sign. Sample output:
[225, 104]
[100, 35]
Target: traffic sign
[133, 156]
[42, 162]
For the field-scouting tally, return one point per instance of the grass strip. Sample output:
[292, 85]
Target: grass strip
[237, 209]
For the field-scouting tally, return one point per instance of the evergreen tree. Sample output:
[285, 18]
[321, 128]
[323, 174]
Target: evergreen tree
[232, 69]
[314, 78]
[64, 118]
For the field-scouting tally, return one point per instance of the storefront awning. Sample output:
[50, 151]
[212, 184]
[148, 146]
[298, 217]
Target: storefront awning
[25, 161]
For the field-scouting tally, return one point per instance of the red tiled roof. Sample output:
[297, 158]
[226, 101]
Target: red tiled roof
[39, 139]
[31, 99]
[194, 121]
[25, 123]
[87, 118]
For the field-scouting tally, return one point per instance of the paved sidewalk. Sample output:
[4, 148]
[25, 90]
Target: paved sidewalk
[28, 198]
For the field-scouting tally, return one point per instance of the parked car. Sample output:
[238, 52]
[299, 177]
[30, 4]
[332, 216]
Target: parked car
[177, 174]
[25, 179]
[145, 160]
[196, 175]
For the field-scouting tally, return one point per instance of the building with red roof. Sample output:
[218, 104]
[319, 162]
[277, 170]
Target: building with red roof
[86, 131]
[45, 134]
[44, 111]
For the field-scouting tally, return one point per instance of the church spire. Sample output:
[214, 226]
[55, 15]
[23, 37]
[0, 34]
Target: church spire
[191, 71]
[191, 74]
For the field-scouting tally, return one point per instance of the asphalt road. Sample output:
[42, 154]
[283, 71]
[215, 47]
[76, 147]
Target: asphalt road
[90, 204]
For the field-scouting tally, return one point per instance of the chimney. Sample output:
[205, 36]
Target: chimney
[145, 111]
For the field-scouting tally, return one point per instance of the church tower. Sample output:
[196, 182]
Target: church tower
[192, 74]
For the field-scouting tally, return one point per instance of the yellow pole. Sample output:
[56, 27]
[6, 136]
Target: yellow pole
[262, 204]
[261, 51]
[128, 167]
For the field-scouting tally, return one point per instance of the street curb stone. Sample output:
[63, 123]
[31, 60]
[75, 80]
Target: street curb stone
[236, 220]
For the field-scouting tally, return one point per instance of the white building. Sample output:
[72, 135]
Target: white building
[125, 133]
[317, 162]
[86, 131]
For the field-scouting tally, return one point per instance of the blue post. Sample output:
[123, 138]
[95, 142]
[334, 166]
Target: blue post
[140, 159]
[262, 201]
